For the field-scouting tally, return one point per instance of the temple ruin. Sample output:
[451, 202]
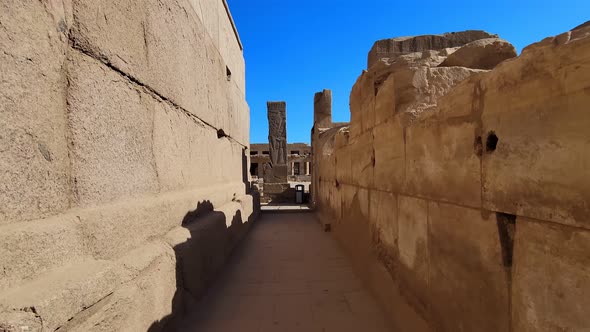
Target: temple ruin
[460, 187]
[457, 198]
[298, 161]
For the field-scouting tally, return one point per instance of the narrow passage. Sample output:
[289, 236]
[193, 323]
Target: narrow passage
[287, 276]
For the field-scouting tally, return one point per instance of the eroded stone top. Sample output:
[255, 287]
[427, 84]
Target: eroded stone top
[395, 47]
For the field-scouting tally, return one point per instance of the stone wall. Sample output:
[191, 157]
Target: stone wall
[123, 160]
[463, 194]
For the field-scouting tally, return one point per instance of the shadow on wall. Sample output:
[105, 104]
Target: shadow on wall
[202, 246]
[199, 258]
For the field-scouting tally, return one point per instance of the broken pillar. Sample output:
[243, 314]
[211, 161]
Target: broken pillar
[276, 186]
[322, 109]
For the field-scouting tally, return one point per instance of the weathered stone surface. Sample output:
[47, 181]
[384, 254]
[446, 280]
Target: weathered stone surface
[385, 101]
[536, 107]
[119, 121]
[20, 320]
[394, 47]
[322, 109]
[463, 102]
[383, 212]
[180, 143]
[152, 289]
[492, 209]
[111, 123]
[413, 236]
[363, 160]
[34, 164]
[419, 89]
[61, 294]
[343, 160]
[277, 132]
[466, 264]
[551, 277]
[36, 247]
[442, 164]
[390, 156]
[156, 42]
[481, 54]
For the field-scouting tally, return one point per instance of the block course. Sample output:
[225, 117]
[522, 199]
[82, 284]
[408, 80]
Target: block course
[114, 167]
[448, 181]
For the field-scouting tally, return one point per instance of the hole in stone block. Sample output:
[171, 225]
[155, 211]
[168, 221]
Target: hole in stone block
[491, 142]
[228, 73]
[221, 133]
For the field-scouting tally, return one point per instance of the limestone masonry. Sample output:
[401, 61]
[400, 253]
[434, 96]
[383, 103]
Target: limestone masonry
[123, 160]
[461, 187]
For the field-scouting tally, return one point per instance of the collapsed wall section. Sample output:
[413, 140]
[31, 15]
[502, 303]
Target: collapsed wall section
[118, 191]
[462, 194]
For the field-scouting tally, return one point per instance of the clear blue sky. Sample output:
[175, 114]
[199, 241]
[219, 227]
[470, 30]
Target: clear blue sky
[294, 48]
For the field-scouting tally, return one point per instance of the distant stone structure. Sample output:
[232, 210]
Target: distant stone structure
[276, 186]
[323, 128]
[277, 141]
[461, 188]
[322, 105]
[298, 161]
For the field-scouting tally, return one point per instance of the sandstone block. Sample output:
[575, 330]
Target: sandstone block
[355, 203]
[383, 216]
[33, 155]
[328, 169]
[468, 283]
[61, 294]
[418, 89]
[368, 114]
[389, 149]
[189, 154]
[20, 320]
[395, 47]
[536, 123]
[551, 277]
[356, 124]
[343, 161]
[413, 236]
[111, 123]
[106, 228]
[441, 162]
[167, 48]
[463, 101]
[385, 101]
[481, 54]
[363, 160]
[30, 249]
[335, 202]
[137, 305]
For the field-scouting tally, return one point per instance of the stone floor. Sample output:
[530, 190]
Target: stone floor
[284, 207]
[288, 276]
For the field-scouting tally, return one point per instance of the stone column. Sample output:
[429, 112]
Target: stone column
[322, 109]
[277, 141]
[276, 185]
